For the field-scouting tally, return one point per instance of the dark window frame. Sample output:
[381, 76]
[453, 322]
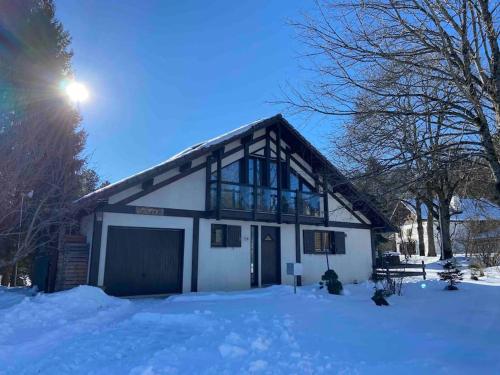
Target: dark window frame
[231, 235]
[309, 242]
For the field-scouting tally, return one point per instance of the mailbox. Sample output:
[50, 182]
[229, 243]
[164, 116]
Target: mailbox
[294, 269]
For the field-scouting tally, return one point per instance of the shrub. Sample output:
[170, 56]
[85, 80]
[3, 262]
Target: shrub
[451, 274]
[330, 279]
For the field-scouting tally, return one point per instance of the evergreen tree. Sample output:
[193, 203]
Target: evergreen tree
[451, 274]
[330, 279]
[40, 137]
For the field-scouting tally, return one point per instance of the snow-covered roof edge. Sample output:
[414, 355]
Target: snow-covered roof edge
[176, 159]
[201, 148]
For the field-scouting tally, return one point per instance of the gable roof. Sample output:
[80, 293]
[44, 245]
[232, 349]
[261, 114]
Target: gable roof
[291, 136]
[466, 209]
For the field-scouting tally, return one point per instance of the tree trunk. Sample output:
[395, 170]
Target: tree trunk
[491, 156]
[444, 225]
[431, 244]
[420, 228]
[6, 273]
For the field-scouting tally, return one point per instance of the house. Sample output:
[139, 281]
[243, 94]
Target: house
[470, 219]
[228, 214]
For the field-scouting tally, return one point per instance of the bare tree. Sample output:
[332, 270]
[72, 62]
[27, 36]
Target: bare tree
[452, 42]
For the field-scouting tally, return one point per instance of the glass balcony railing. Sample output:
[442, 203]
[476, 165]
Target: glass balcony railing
[310, 204]
[241, 197]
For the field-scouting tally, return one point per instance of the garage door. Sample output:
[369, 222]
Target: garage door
[142, 261]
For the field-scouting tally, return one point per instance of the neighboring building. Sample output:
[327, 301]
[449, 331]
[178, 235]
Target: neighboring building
[225, 215]
[470, 218]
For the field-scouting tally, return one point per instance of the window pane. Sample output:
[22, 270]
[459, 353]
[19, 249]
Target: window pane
[273, 182]
[317, 241]
[294, 181]
[251, 167]
[231, 172]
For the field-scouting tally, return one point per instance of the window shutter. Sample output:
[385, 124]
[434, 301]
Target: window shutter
[339, 242]
[233, 236]
[308, 241]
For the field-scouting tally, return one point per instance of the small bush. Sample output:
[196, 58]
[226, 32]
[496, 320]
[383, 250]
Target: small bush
[476, 271]
[330, 279]
[451, 274]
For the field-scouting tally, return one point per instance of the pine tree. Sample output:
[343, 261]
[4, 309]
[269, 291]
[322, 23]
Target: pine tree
[451, 274]
[40, 136]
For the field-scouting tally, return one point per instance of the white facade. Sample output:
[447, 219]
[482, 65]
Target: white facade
[409, 233]
[183, 194]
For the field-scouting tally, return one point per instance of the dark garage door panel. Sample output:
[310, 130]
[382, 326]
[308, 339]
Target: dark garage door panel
[143, 261]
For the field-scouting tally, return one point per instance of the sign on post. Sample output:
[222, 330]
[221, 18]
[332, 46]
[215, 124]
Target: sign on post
[295, 270]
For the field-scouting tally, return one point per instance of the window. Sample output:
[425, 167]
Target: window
[229, 173]
[225, 235]
[320, 242]
[218, 235]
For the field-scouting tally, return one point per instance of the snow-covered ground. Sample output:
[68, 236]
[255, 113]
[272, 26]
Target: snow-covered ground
[269, 331]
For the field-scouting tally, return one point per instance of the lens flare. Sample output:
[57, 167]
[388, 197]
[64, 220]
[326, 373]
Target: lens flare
[76, 91]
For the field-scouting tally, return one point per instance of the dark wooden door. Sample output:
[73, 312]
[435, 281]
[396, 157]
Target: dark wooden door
[141, 261]
[271, 259]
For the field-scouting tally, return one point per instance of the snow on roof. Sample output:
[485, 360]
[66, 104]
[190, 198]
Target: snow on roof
[466, 209]
[217, 140]
[196, 147]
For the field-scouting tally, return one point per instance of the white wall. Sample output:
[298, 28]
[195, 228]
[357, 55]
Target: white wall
[354, 265]
[187, 193]
[149, 221]
[337, 212]
[223, 268]
[124, 194]
[229, 268]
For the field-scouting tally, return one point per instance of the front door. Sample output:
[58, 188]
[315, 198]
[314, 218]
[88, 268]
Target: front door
[271, 259]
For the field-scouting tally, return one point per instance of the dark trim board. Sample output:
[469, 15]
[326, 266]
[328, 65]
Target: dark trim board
[95, 252]
[230, 215]
[161, 184]
[298, 253]
[194, 262]
[156, 211]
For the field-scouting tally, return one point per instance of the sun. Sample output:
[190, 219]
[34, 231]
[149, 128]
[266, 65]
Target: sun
[76, 91]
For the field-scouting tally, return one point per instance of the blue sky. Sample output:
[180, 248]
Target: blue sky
[166, 74]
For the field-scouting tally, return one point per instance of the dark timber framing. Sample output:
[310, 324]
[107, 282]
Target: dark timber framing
[219, 186]
[208, 179]
[278, 173]
[326, 210]
[159, 185]
[299, 147]
[95, 253]
[297, 250]
[231, 214]
[194, 260]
